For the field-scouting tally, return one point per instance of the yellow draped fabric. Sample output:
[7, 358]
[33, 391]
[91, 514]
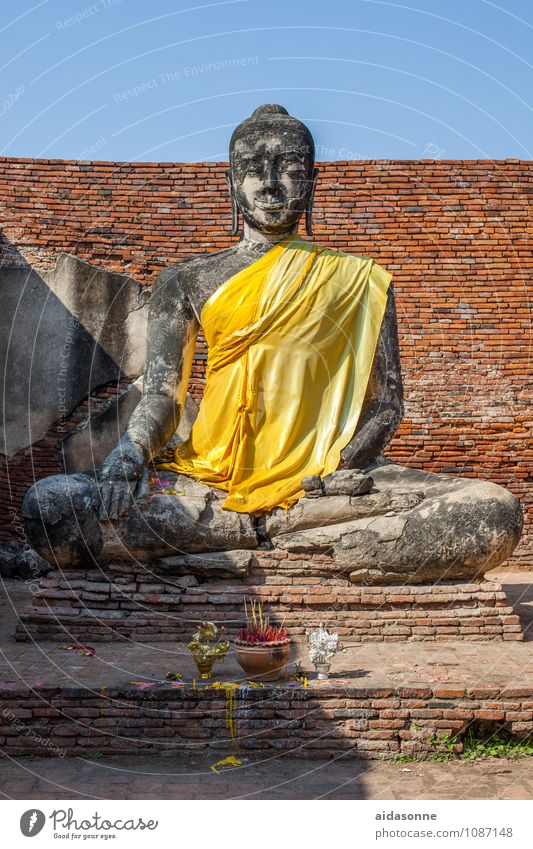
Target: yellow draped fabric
[291, 342]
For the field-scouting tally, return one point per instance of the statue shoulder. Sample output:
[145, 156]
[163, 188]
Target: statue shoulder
[188, 266]
[182, 277]
[375, 268]
[360, 258]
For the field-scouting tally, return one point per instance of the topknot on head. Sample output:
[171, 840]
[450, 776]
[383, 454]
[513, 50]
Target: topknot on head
[268, 109]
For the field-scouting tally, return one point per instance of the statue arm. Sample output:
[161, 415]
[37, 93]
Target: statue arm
[383, 405]
[171, 337]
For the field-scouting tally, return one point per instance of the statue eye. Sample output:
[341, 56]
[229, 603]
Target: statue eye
[293, 167]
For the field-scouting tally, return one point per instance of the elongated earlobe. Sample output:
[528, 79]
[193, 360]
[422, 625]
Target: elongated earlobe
[235, 224]
[309, 208]
[234, 217]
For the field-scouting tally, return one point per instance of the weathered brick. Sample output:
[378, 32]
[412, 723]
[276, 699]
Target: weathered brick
[489, 714]
[449, 692]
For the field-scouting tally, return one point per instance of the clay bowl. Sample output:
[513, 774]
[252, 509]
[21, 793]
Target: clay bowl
[263, 661]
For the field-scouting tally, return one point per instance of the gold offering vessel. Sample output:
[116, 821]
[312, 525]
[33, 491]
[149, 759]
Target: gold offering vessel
[206, 652]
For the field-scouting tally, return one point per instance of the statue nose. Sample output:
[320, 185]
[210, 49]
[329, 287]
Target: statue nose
[271, 180]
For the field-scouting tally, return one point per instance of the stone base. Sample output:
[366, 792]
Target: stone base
[162, 602]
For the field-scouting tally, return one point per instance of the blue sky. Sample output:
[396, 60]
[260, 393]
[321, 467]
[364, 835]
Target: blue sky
[167, 80]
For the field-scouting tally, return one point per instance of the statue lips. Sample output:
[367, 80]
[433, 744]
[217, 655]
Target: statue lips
[269, 206]
[272, 206]
[268, 201]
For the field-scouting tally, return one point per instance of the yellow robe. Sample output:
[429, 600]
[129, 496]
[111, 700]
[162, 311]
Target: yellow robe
[291, 342]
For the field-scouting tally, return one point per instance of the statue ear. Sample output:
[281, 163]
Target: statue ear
[309, 208]
[234, 208]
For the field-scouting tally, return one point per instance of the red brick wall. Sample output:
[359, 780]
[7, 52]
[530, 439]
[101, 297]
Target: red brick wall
[317, 722]
[457, 236]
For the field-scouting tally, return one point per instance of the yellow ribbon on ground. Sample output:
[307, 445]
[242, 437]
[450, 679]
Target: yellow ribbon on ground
[291, 343]
[229, 761]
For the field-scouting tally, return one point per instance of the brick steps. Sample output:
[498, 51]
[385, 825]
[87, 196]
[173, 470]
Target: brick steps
[132, 602]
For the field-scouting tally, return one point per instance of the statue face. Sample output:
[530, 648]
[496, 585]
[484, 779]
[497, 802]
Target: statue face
[272, 177]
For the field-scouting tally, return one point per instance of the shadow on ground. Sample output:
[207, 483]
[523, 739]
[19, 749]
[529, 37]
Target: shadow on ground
[277, 777]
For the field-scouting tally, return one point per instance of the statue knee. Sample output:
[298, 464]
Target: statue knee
[504, 519]
[471, 530]
[61, 517]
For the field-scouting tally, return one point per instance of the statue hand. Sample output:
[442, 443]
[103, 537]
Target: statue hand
[368, 441]
[354, 455]
[122, 478]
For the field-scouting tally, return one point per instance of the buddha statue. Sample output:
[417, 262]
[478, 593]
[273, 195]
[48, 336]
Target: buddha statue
[303, 393]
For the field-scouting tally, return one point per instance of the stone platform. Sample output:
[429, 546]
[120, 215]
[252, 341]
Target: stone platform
[383, 700]
[165, 600]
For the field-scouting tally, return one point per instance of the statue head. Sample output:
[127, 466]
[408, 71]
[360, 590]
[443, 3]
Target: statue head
[271, 175]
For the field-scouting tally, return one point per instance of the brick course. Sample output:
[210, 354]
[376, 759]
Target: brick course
[455, 234]
[131, 602]
[368, 722]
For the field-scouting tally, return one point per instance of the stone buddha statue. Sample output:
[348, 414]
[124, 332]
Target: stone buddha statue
[303, 393]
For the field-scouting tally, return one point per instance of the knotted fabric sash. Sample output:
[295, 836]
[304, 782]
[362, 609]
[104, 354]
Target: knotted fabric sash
[291, 342]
